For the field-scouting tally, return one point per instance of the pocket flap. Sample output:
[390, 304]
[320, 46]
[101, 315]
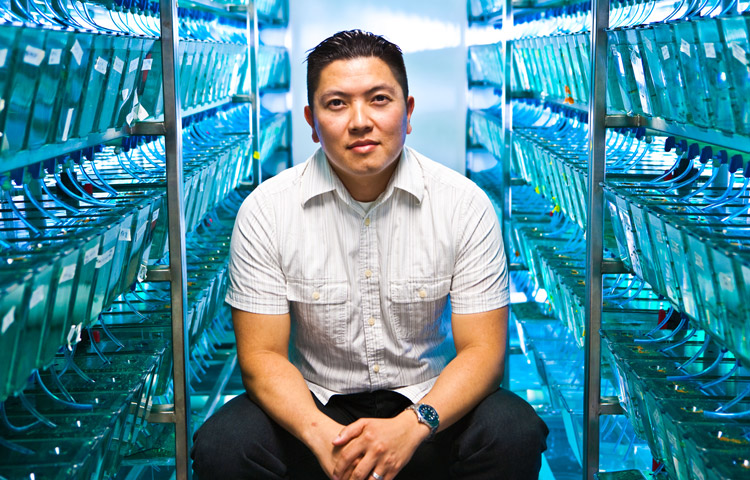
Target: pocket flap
[411, 291]
[317, 292]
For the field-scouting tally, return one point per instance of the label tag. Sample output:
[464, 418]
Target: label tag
[147, 64]
[142, 113]
[8, 319]
[140, 232]
[648, 44]
[124, 233]
[68, 273]
[54, 56]
[710, 50]
[189, 60]
[118, 65]
[665, 52]
[68, 119]
[90, 254]
[133, 65]
[726, 282]
[129, 118]
[33, 56]
[3, 56]
[739, 53]
[685, 47]
[698, 260]
[105, 257]
[125, 93]
[39, 293]
[155, 215]
[101, 65]
[74, 334]
[77, 52]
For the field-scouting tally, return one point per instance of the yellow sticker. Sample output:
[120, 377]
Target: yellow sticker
[256, 155]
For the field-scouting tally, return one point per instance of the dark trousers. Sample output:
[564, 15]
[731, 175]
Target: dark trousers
[501, 439]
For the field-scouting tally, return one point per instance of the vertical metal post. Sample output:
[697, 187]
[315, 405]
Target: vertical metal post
[507, 151]
[176, 226]
[253, 41]
[594, 236]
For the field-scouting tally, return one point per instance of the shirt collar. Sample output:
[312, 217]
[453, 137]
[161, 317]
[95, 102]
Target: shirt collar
[318, 178]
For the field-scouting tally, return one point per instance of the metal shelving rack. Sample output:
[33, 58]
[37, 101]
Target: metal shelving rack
[176, 274]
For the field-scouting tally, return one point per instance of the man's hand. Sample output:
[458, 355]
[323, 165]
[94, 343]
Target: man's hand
[380, 445]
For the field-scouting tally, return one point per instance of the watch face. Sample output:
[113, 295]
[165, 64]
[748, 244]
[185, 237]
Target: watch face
[429, 414]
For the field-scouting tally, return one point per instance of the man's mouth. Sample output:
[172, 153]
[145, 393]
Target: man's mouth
[362, 146]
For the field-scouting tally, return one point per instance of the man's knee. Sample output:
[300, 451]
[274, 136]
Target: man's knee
[239, 439]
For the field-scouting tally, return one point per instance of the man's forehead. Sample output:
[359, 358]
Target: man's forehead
[349, 74]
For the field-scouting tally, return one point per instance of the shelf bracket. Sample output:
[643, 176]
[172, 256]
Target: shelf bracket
[161, 414]
[158, 274]
[613, 266]
[244, 98]
[610, 406]
[148, 128]
[625, 121]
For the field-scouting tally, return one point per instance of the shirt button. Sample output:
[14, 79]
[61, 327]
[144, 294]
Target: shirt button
[371, 321]
[368, 273]
[376, 368]
[422, 293]
[367, 222]
[316, 295]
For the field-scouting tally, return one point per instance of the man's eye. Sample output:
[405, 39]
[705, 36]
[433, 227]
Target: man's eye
[335, 103]
[380, 98]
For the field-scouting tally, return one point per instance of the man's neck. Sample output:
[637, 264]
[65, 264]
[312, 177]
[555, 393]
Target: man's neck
[367, 188]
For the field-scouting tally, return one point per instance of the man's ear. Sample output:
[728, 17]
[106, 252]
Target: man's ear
[311, 121]
[409, 111]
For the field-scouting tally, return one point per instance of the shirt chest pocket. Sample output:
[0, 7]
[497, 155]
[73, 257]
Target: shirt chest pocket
[416, 306]
[320, 310]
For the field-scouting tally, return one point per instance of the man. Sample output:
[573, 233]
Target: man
[366, 241]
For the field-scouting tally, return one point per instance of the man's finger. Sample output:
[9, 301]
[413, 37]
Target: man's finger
[352, 430]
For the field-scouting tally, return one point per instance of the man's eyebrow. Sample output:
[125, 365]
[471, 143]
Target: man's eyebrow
[340, 93]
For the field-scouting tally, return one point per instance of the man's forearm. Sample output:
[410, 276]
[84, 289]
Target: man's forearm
[466, 380]
[280, 390]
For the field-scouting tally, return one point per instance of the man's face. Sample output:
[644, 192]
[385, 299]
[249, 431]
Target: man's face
[360, 118]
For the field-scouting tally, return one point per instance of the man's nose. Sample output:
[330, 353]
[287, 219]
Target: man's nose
[360, 118]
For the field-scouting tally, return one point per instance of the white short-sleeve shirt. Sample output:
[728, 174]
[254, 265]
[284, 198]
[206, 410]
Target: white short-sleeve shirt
[368, 290]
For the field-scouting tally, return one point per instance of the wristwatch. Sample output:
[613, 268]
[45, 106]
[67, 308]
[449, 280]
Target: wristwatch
[426, 415]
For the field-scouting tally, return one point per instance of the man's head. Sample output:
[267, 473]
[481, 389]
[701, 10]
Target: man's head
[358, 109]
[349, 45]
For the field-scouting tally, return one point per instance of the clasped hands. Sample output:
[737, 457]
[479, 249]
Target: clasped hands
[380, 445]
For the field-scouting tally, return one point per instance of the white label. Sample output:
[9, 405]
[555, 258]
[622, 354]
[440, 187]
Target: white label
[726, 282]
[710, 50]
[129, 118]
[739, 53]
[133, 65]
[685, 47]
[140, 232]
[125, 93]
[189, 60]
[142, 113]
[77, 52]
[105, 257]
[697, 471]
[648, 44]
[2, 107]
[101, 65]
[155, 215]
[698, 260]
[8, 319]
[33, 56]
[68, 119]
[3, 56]
[659, 236]
[74, 334]
[54, 56]
[68, 273]
[125, 233]
[90, 254]
[118, 65]
[39, 293]
[147, 64]
[665, 52]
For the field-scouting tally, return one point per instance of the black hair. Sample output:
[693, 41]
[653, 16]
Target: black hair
[351, 44]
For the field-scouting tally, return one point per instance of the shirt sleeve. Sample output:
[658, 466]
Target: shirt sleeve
[480, 278]
[256, 281]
